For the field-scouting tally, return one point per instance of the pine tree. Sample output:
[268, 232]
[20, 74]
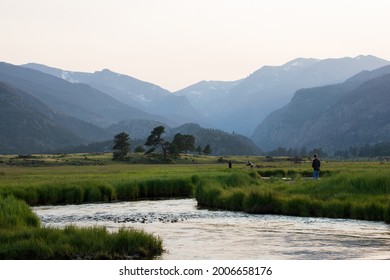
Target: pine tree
[156, 140]
[121, 146]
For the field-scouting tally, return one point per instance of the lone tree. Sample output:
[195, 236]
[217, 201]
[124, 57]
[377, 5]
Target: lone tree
[155, 140]
[121, 146]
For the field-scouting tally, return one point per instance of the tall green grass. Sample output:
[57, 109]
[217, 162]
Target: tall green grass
[16, 214]
[22, 237]
[89, 190]
[364, 196]
[78, 243]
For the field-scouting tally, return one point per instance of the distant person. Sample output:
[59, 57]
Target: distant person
[316, 163]
[230, 164]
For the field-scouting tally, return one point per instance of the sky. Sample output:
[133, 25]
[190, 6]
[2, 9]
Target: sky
[176, 43]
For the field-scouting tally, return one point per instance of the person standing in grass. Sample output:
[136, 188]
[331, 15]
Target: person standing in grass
[316, 163]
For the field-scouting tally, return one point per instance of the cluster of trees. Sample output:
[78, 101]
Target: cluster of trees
[376, 150]
[184, 143]
[296, 153]
[366, 151]
[180, 143]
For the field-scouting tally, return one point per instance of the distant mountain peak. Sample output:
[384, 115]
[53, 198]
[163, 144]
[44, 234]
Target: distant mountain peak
[108, 71]
[298, 63]
[111, 73]
[303, 62]
[365, 56]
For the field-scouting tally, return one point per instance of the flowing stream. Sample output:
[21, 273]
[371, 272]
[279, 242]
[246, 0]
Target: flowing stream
[189, 232]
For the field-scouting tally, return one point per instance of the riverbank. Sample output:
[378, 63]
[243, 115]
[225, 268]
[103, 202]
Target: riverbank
[363, 196]
[349, 190]
[356, 190]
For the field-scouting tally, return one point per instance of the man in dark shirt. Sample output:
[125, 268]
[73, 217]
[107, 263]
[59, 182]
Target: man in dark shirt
[316, 163]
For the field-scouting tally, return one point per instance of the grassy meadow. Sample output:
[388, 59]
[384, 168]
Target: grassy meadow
[351, 190]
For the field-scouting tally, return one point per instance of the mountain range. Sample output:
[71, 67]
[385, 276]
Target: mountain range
[42, 113]
[144, 96]
[292, 105]
[78, 100]
[333, 117]
[242, 105]
[233, 106]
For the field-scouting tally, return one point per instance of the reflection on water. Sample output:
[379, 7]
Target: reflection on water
[192, 233]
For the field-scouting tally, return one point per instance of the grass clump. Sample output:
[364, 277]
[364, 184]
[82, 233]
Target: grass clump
[261, 202]
[16, 214]
[22, 237]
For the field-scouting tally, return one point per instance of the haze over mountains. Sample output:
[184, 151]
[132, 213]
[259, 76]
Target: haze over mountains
[78, 100]
[293, 105]
[240, 106]
[43, 112]
[27, 125]
[138, 94]
[334, 117]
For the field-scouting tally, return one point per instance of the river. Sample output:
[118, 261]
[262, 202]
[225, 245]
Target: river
[192, 233]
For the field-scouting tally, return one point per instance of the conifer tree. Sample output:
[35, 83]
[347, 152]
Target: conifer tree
[121, 146]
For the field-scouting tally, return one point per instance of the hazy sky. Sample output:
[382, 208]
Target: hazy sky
[175, 43]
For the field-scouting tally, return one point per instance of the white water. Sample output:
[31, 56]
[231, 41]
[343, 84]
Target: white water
[192, 233]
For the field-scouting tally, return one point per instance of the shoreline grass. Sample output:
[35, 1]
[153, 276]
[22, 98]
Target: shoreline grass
[23, 237]
[363, 196]
[98, 190]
